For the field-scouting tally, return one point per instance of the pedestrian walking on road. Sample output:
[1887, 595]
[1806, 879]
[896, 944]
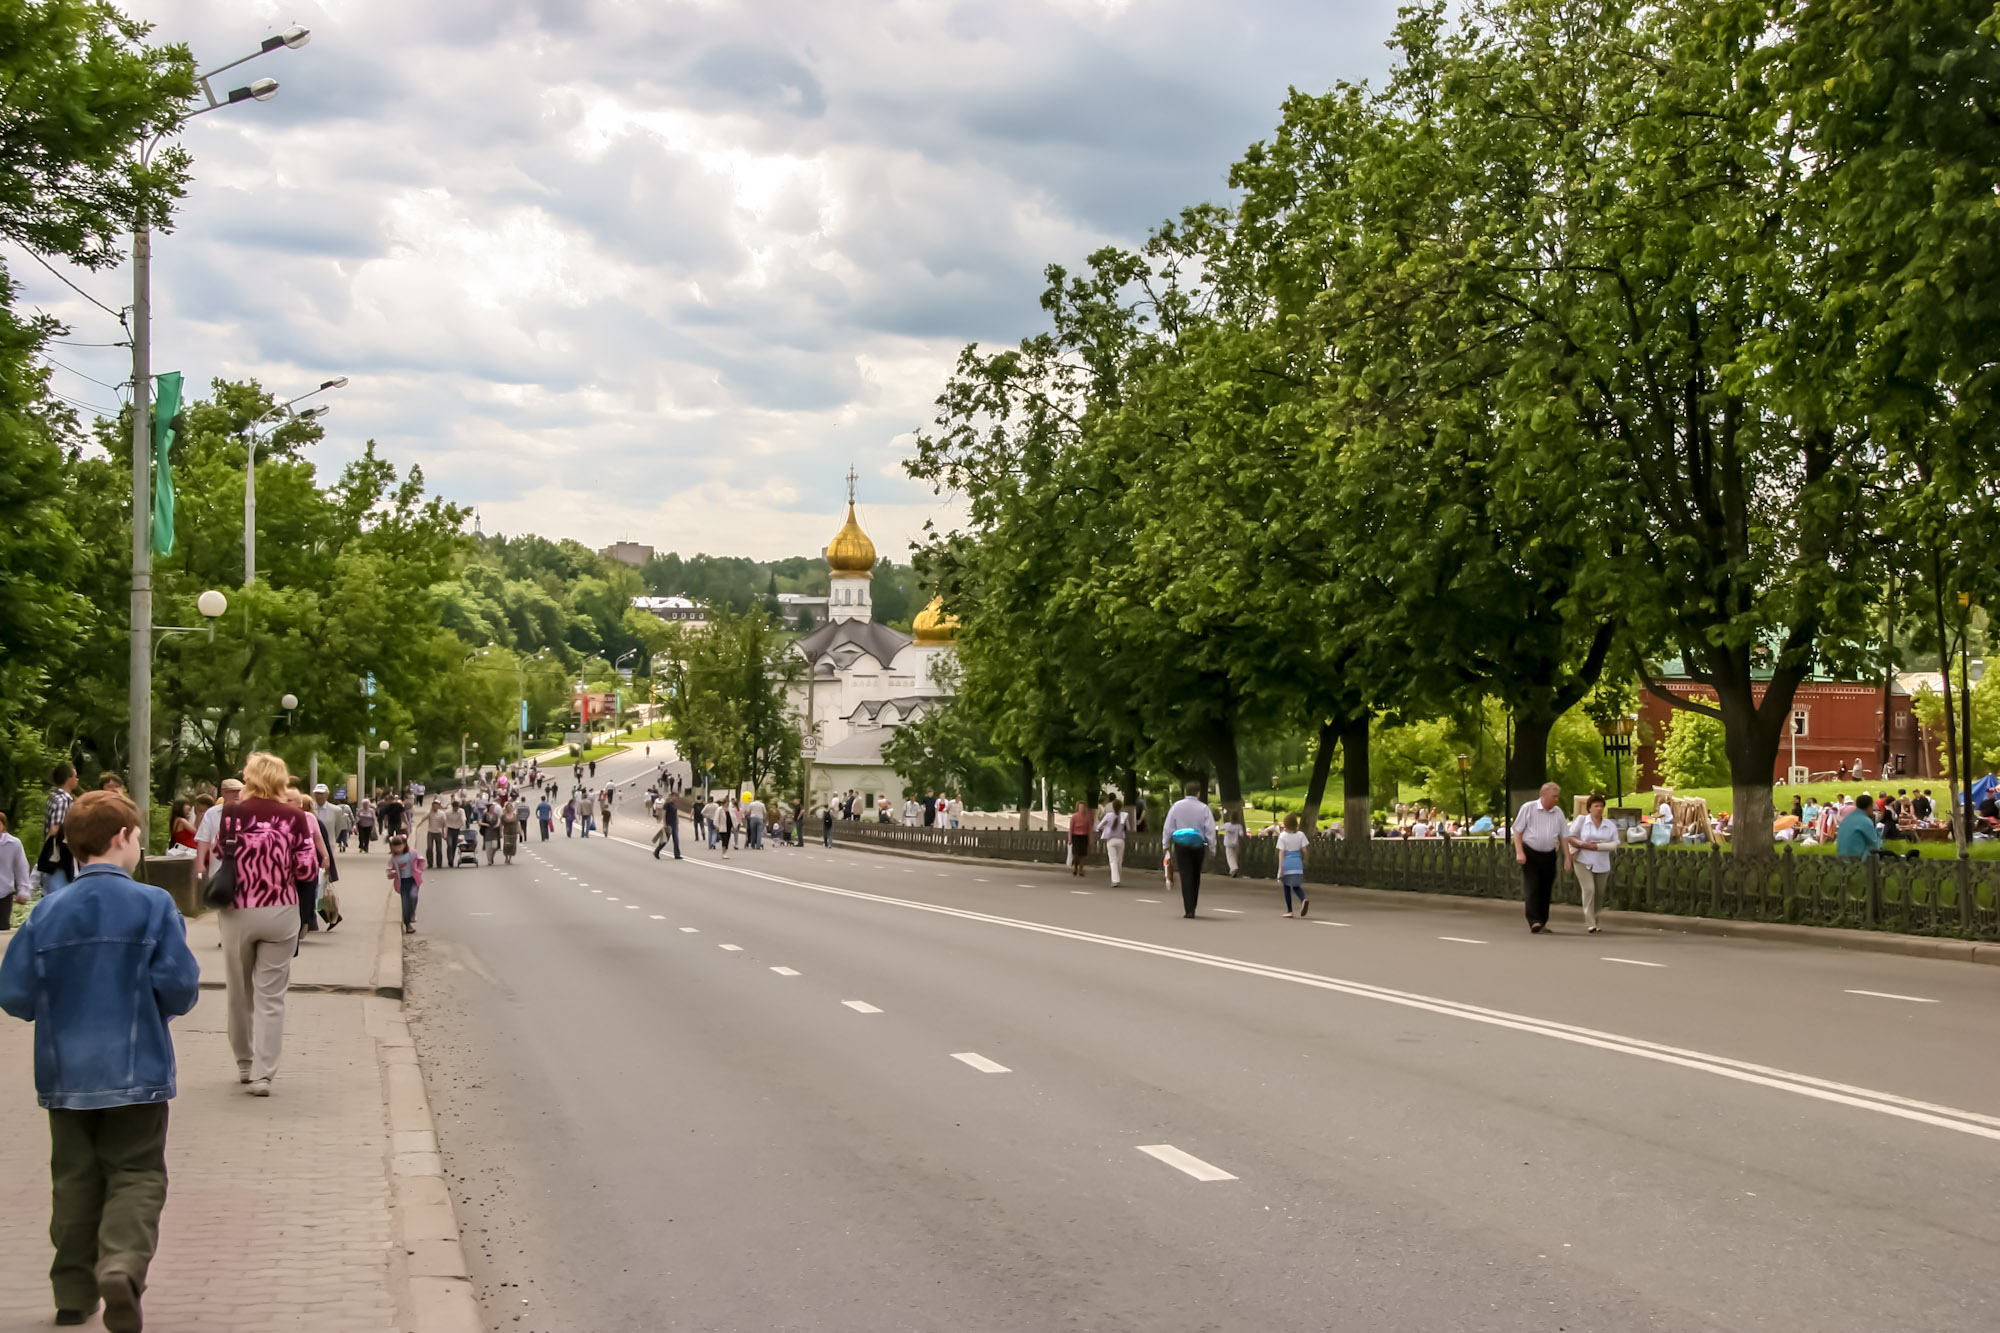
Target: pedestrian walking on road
[545, 816]
[56, 865]
[826, 825]
[435, 827]
[1292, 864]
[1113, 828]
[100, 970]
[406, 872]
[727, 816]
[454, 832]
[1590, 842]
[1538, 833]
[490, 820]
[270, 842]
[1232, 836]
[1188, 836]
[670, 828]
[1079, 838]
[604, 807]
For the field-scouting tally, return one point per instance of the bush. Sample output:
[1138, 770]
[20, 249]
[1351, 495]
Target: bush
[1692, 753]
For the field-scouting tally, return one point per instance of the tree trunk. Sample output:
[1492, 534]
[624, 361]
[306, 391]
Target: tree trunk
[1228, 780]
[1528, 757]
[1027, 791]
[1357, 806]
[1329, 736]
[1750, 740]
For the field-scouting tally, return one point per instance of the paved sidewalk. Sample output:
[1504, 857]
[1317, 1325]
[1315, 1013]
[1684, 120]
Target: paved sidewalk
[286, 1215]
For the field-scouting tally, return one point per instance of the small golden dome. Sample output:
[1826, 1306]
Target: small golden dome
[932, 625]
[850, 551]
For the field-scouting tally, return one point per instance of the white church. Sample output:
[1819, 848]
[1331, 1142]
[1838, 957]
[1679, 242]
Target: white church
[864, 679]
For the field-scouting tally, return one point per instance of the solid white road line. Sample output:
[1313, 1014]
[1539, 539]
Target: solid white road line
[1084, 892]
[481, 914]
[861, 1006]
[981, 1063]
[732, 948]
[1721, 1066]
[1185, 1161]
[1631, 962]
[1887, 995]
[1319, 921]
[1460, 939]
[1024, 886]
[784, 971]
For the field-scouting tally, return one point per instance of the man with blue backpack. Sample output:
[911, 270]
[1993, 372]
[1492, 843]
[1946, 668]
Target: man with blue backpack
[1188, 835]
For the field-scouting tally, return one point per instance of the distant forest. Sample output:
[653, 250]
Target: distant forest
[738, 583]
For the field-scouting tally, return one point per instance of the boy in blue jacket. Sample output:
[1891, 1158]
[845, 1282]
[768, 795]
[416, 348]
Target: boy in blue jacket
[99, 969]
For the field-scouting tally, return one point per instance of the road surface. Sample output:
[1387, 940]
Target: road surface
[797, 1090]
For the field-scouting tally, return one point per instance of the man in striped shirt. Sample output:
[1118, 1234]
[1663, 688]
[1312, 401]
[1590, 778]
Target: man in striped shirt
[55, 864]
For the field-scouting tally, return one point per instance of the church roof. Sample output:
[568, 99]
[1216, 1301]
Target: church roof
[850, 551]
[904, 706]
[862, 748]
[878, 641]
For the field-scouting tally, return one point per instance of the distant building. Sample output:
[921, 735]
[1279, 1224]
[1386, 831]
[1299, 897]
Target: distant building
[628, 553]
[791, 604]
[1835, 725]
[678, 609]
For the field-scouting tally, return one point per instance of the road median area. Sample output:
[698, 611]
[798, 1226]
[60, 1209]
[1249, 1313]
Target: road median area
[320, 1209]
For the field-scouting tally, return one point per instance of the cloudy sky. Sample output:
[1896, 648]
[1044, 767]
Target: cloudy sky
[663, 269]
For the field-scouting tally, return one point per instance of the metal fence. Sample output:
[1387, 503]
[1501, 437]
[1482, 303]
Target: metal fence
[1920, 897]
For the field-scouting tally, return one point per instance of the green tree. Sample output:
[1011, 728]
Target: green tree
[1694, 752]
[727, 686]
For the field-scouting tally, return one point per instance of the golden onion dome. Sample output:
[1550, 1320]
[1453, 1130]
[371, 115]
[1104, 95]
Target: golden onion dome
[932, 625]
[850, 551]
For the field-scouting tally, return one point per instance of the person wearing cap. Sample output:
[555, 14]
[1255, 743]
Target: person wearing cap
[211, 826]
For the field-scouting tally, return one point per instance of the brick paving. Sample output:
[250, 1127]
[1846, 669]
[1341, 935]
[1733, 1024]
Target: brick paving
[278, 1216]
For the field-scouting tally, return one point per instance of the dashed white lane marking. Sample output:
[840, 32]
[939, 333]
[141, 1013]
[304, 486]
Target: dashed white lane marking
[1459, 939]
[733, 948]
[631, 907]
[977, 880]
[1631, 962]
[608, 900]
[785, 971]
[1317, 921]
[1721, 1066]
[690, 930]
[942, 875]
[1082, 892]
[597, 890]
[981, 1063]
[1888, 995]
[1231, 910]
[482, 914]
[1185, 1161]
[1154, 901]
[1024, 886]
[861, 1006]
[658, 917]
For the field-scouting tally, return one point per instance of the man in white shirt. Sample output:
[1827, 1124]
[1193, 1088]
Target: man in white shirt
[953, 808]
[1590, 841]
[1194, 822]
[1538, 832]
[754, 816]
[17, 882]
[211, 829]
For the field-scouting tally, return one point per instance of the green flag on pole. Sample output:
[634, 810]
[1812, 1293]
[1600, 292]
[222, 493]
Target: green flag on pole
[166, 406]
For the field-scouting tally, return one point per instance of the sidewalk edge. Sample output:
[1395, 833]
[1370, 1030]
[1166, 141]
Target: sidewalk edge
[439, 1296]
[1948, 948]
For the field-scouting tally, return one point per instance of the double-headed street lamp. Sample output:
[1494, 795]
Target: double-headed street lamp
[140, 780]
[279, 413]
[1616, 732]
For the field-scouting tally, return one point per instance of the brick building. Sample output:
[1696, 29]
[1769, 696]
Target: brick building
[1833, 723]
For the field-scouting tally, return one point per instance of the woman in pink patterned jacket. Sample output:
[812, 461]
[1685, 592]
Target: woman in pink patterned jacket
[272, 844]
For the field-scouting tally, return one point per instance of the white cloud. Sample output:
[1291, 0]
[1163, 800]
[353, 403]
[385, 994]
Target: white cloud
[664, 270]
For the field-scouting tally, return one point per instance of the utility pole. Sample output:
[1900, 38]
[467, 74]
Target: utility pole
[139, 777]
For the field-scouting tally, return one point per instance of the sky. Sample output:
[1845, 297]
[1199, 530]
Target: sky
[663, 270]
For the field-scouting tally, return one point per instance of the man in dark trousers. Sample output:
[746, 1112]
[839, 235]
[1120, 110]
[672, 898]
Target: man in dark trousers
[1188, 833]
[670, 828]
[99, 969]
[1538, 832]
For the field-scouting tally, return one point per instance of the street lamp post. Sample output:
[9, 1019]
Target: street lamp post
[139, 781]
[1616, 733]
[279, 412]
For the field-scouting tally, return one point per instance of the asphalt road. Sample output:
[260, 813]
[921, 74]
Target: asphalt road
[847, 1091]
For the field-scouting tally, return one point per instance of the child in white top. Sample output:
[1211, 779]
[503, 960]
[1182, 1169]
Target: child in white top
[1292, 864]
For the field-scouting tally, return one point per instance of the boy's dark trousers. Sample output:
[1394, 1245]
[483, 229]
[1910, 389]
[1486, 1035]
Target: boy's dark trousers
[109, 1170]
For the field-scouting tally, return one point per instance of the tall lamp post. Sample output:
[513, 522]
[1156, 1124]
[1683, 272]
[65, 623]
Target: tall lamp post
[140, 701]
[1616, 733]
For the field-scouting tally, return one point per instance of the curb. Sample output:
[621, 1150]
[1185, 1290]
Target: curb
[440, 1295]
[1818, 937]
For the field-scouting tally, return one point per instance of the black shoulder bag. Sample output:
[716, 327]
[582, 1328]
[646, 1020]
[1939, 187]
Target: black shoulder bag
[221, 888]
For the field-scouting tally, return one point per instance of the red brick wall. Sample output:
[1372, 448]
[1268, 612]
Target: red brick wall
[1843, 723]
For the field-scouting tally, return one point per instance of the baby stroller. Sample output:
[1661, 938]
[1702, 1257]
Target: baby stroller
[466, 853]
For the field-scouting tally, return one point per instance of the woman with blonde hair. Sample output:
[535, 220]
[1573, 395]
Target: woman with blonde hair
[271, 844]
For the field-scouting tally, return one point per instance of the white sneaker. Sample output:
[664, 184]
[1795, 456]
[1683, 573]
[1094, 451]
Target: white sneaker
[259, 1088]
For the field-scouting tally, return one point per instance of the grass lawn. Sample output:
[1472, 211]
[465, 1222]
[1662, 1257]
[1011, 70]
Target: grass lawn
[563, 759]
